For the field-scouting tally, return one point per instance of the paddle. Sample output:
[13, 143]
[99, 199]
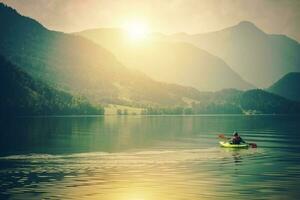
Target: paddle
[222, 136]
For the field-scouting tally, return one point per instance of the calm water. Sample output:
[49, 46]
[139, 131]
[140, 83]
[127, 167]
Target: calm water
[149, 158]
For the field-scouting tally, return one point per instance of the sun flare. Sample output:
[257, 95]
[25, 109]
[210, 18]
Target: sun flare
[137, 30]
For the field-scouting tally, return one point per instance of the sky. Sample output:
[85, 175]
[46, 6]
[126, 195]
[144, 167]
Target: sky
[165, 16]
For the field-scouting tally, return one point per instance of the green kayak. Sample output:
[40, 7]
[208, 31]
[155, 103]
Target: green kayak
[227, 144]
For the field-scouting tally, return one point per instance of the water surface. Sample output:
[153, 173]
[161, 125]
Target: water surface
[148, 157]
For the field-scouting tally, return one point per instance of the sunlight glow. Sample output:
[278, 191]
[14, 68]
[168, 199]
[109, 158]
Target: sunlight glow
[137, 30]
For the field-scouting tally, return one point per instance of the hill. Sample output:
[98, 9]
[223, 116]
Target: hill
[258, 57]
[178, 62]
[288, 86]
[234, 102]
[75, 64]
[21, 95]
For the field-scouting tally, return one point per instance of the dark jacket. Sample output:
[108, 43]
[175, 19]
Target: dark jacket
[237, 140]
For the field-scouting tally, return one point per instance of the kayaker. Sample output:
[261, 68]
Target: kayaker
[236, 139]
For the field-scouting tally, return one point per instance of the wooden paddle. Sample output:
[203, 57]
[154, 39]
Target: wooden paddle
[222, 136]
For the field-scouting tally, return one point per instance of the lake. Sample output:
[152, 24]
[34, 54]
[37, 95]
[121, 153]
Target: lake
[149, 158]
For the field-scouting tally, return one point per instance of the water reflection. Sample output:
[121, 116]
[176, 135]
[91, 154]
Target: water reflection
[236, 156]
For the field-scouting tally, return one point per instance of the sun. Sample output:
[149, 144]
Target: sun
[137, 30]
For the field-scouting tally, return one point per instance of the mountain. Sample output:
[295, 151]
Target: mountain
[75, 64]
[288, 86]
[178, 62]
[48, 72]
[258, 57]
[22, 95]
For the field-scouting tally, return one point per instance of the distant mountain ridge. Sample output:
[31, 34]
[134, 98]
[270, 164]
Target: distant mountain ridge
[258, 57]
[288, 86]
[180, 63]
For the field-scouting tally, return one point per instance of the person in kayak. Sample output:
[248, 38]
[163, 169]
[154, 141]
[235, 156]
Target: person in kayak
[236, 139]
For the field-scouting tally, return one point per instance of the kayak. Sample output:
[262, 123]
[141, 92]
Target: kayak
[228, 145]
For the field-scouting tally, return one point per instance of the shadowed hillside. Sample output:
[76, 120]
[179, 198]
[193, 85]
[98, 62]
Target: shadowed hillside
[22, 95]
[288, 86]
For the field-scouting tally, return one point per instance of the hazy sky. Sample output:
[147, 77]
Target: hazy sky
[167, 16]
